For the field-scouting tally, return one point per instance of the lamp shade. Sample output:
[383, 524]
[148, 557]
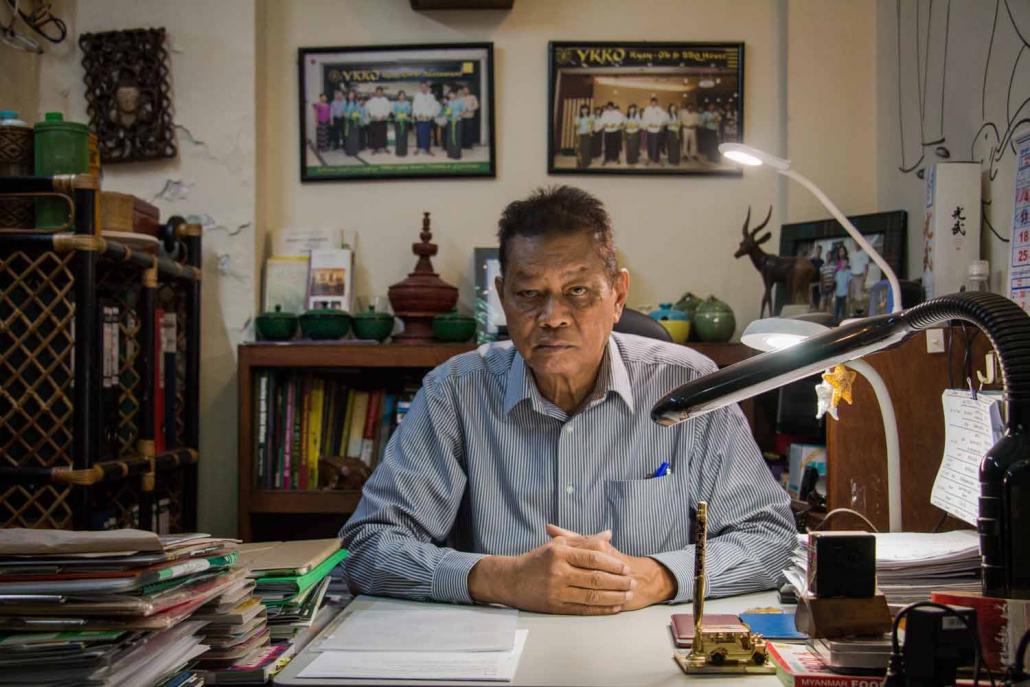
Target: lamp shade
[776, 333]
[753, 157]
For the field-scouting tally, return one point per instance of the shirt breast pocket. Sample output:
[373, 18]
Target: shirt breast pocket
[643, 515]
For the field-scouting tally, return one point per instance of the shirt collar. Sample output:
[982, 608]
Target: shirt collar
[612, 377]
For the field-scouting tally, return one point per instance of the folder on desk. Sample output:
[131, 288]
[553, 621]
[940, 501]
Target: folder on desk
[286, 558]
[289, 585]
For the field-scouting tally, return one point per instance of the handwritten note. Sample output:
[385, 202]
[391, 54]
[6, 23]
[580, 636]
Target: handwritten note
[971, 428]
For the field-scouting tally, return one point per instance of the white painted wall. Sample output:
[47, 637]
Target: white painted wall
[212, 57]
[831, 96]
[979, 106]
[235, 90]
[675, 234]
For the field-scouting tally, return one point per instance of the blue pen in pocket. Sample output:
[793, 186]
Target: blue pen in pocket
[662, 470]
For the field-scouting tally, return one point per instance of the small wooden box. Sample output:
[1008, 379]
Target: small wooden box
[125, 212]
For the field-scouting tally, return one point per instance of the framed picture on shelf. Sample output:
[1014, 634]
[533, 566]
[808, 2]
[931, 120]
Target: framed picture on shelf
[833, 250]
[397, 112]
[490, 321]
[643, 108]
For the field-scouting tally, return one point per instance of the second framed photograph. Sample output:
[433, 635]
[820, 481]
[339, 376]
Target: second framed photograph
[644, 108]
[400, 111]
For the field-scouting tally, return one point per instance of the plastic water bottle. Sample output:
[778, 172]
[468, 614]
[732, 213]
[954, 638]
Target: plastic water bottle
[979, 276]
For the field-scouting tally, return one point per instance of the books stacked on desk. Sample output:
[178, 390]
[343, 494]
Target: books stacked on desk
[236, 627]
[114, 607]
[910, 565]
[289, 581]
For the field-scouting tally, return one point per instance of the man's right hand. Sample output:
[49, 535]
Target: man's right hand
[554, 578]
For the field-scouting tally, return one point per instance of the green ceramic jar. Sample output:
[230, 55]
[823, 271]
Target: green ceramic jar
[277, 325]
[454, 328]
[688, 303]
[714, 321]
[373, 325]
[324, 323]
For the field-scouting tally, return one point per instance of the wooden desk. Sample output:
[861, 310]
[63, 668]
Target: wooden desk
[624, 650]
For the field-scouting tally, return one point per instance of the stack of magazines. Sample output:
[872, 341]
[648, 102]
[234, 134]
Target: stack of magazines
[107, 608]
[291, 580]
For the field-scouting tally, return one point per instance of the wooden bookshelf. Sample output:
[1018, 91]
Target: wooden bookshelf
[267, 514]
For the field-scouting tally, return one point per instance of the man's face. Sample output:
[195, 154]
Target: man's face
[424, 88]
[560, 303]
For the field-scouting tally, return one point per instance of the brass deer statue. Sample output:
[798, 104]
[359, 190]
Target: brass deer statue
[795, 274]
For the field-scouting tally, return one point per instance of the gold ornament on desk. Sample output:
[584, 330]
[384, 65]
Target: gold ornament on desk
[719, 648]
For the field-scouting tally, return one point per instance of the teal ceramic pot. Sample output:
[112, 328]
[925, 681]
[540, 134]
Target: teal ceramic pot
[324, 324]
[373, 325]
[714, 321]
[676, 322]
[454, 328]
[277, 325]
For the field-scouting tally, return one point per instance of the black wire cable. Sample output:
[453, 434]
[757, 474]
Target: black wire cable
[896, 657]
[1017, 665]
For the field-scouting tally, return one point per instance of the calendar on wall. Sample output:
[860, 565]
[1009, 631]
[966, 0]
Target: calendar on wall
[1019, 266]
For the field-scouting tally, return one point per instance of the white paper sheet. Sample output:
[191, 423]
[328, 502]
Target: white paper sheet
[971, 428]
[412, 626]
[498, 666]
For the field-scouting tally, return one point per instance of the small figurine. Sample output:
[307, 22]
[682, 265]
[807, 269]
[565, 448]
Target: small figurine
[795, 274]
[841, 379]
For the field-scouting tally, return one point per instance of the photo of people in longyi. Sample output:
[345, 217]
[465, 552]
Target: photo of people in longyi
[651, 108]
[396, 112]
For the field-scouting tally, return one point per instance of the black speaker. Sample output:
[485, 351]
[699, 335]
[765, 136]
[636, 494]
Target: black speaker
[841, 564]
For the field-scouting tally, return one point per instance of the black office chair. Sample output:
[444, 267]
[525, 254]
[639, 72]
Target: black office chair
[636, 322]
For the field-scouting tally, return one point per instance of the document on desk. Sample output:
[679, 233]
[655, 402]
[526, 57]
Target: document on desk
[971, 428]
[412, 626]
[494, 666]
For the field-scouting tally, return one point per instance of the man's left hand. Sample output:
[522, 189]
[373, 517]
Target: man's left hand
[655, 583]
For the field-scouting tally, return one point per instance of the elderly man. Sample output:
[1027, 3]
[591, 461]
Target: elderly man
[525, 474]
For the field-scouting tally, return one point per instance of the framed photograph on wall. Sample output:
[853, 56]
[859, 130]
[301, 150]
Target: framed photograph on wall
[643, 108]
[833, 251]
[397, 112]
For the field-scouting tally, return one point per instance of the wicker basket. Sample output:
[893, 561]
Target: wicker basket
[16, 158]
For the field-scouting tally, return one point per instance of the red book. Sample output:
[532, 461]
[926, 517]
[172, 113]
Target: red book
[683, 625]
[797, 666]
[1000, 623]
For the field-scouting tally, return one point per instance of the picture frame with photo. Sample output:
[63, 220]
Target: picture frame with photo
[644, 108]
[397, 112]
[491, 324]
[886, 231]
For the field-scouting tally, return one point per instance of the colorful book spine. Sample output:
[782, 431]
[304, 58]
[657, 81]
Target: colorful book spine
[349, 406]
[357, 424]
[371, 424]
[261, 452]
[291, 402]
[317, 408]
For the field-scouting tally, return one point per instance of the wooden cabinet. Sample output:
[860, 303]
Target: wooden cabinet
[295, 514]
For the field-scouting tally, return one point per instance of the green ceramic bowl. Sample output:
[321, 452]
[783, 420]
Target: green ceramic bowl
[454, 328]
[373, 325]
[277, 325]
[324, 324]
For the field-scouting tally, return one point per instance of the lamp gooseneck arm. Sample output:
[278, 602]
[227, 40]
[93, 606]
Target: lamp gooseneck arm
[892, 278]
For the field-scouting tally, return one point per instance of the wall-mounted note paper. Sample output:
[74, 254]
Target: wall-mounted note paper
[971, 427]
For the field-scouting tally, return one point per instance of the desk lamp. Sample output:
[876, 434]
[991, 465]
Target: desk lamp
[774, 333]
[1004, 517]
[777, 333]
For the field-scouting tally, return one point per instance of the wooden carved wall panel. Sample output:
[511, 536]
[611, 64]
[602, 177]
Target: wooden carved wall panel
[128, 94]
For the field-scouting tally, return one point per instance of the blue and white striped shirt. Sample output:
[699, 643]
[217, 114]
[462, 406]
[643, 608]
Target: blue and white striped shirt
[482, 462]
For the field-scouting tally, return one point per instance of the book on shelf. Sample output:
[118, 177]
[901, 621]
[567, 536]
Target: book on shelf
[302, 417]
[330, 279]
[286, 284]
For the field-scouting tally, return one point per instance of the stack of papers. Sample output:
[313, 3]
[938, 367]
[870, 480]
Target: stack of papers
[110, 608]
[910, 565]
[291, 580]
[236, 629]
[390, 639]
